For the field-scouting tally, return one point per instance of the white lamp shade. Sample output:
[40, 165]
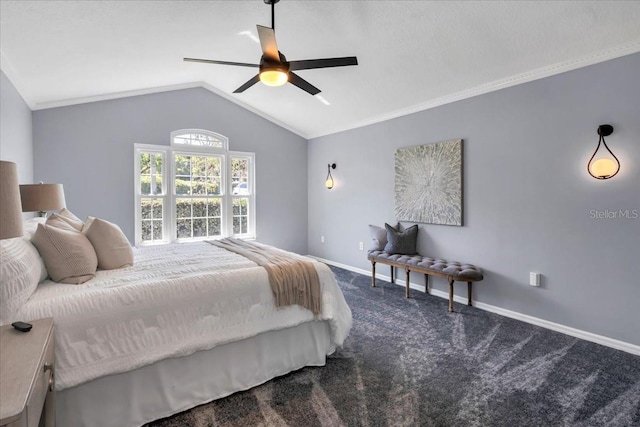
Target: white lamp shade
[42, 197]
[10, 212]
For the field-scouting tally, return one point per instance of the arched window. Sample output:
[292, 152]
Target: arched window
[193, 190]
[199, 138]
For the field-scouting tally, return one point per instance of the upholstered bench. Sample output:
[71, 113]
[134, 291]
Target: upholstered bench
[451, 270]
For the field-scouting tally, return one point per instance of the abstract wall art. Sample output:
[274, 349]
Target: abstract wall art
[428, 183]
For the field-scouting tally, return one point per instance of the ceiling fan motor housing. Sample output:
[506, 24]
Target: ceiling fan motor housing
[267, 64]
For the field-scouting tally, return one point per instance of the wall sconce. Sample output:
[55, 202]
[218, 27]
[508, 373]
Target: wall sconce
[42, 198]
[329, 181]
[604, 167]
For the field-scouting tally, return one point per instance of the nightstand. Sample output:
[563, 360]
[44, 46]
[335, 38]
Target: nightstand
[27, 361]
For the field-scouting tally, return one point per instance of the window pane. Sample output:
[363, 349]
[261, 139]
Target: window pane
[213, 207]
[239, 176]
[183, 229]
[157, 209]
[213, 186]
[152, 217]
[198, 175]
[214, 175]
[157, 180]
[150, 173]
[157, 230]
[199, 208]
[146, 208]
[213, 166]
[240, 215]
[198, 166]
[240, 168]
[145, 184]
[146, 230]
[199, 186]
[183, 208]
[214, 227]
[200, 227]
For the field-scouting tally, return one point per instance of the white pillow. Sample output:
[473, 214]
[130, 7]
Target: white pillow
[111, 245]
[68, 255]
[21, 269]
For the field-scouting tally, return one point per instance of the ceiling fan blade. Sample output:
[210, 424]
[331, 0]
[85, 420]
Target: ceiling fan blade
[268, 43]
[211, 61]
[323, 63]
[296, 80]
[255, 79]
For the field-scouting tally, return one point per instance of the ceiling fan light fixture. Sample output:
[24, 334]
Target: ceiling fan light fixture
[274, 77]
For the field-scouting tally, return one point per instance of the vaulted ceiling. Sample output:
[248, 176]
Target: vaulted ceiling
[412, 54]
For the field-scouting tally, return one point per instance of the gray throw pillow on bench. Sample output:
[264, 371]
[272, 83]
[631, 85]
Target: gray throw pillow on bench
[378, 237]
[401, 242]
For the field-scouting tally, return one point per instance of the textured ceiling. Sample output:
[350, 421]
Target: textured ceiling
[412, 54]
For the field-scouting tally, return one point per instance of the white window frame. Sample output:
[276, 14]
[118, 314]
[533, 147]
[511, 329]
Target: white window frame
[155, 149]
[251, 186]
[168, 187]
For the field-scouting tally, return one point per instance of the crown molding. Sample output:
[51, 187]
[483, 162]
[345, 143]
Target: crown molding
[539, 73]
[515, 80]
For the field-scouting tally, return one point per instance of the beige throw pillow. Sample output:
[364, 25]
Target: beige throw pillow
[59, 221]
[68, 255]
[110, 243]
[67, 216]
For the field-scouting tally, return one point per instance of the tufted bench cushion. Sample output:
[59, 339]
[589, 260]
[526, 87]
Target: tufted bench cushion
[455, 269]
[450, 270]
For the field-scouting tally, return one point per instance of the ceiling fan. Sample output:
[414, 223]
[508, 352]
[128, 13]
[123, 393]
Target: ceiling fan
[274, 69]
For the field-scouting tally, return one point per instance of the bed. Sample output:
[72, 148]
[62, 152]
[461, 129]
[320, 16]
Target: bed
[186, 324]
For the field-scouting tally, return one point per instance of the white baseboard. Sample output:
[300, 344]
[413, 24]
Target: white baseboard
[567, 330]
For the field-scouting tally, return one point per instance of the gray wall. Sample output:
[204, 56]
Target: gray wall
[89, 149]
[527, 195]
[16, 142]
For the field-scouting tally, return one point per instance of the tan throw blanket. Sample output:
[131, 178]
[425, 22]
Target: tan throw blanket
[292, 280]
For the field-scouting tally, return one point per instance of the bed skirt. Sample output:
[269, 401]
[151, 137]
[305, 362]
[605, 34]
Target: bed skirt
[174, 385]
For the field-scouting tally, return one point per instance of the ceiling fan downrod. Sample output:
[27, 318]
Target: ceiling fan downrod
[273, 12]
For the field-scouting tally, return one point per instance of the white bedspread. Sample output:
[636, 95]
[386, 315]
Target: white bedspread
[175, 300]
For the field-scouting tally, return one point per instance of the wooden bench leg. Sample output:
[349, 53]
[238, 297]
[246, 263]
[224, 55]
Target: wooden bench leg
[393, 279]
[450, 296]
[373, 274]
[426, 283]
[407, 281]
[469, 292]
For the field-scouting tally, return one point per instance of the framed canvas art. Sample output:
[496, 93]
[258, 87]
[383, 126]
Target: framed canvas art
[428, 183]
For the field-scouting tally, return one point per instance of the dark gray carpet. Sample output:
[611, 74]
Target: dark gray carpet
[410, 363]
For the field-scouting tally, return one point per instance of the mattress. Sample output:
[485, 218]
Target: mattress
[177, 299]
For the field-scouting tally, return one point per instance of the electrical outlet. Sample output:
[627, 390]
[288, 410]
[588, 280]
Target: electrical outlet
[534, 279]
[321, 239]
[362, 246]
